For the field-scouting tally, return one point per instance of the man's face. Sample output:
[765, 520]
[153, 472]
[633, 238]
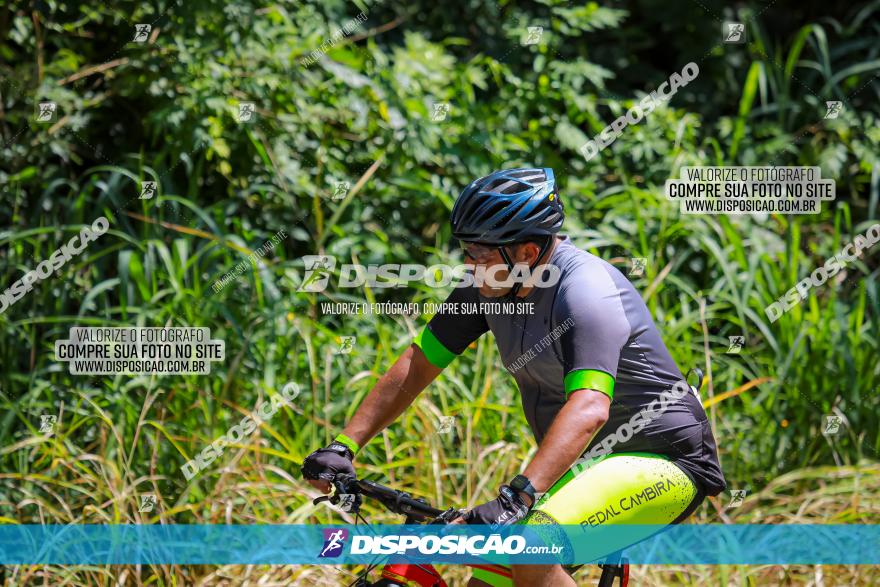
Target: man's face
[488, 257]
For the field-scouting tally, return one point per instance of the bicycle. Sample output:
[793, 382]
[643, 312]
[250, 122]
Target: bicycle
[419, 511]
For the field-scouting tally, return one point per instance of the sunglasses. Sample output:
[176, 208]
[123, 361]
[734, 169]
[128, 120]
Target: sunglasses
[477, 252]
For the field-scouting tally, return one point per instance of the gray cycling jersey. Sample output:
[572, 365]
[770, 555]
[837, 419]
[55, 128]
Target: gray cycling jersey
[591, 330]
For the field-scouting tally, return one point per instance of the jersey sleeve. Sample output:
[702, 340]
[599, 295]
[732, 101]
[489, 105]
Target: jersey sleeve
[450, 332]
[595, 330]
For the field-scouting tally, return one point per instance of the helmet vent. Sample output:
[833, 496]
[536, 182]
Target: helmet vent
[499, 208]
[507, 186]
[530, 175]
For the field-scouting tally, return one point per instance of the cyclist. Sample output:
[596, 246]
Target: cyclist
[591, 369]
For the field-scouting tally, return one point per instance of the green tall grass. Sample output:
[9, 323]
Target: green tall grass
[125, 436]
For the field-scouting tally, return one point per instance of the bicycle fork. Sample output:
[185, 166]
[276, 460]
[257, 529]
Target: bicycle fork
[614, 571]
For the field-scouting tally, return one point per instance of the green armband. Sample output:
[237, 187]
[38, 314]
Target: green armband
[437, 354]
[351, 444]
[589, 379]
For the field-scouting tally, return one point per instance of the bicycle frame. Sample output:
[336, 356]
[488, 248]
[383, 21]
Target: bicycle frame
[418, 511]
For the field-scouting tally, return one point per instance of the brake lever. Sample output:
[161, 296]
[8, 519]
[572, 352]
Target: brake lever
[347, 485]
[448, 516]
[341, 485]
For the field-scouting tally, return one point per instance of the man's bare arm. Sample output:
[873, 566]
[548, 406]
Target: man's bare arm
[391, 395]
[585, 412]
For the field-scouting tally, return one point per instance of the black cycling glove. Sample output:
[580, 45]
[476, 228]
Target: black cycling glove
[508, 508]
[328, 462]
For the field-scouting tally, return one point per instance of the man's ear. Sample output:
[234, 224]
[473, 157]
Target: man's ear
[528, 252]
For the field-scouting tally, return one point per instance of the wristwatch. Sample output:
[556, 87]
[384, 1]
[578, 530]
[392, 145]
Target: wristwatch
[522, 483]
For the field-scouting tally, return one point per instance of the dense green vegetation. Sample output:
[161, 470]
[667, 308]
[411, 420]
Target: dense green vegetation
[166, 110]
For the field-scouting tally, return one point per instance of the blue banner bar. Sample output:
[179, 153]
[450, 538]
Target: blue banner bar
[347, 544]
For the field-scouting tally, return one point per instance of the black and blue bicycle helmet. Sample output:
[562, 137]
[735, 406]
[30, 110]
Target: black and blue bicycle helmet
[508, 206]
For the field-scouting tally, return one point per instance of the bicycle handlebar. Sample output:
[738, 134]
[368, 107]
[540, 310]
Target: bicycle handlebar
[398, 502]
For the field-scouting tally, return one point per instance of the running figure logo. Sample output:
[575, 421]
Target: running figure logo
[341, 190]
[833, 108]
[318, 269]
[347, 502]
[637, 269]
[533, 36]
[148, 190]
[736, 344]
[832, 425]
[46, 111]
[148, 503]
[142, 32]
[737, 496]
[334, 541]
[735, 32]
[446, 424]
[346, 345]
[246, 111]
[47, 423]
[441, 109]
